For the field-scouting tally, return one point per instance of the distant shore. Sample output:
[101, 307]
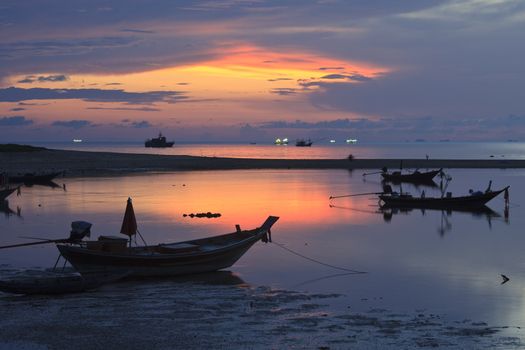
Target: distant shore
[80, 163]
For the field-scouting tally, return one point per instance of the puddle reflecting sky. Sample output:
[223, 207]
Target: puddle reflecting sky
[448, 263]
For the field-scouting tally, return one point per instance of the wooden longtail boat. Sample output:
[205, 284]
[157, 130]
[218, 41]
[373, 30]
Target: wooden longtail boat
[477, 199]
[187, 257]
[416, 176]
[33, 178]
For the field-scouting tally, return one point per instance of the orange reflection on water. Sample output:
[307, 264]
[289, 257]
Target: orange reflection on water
[241, 197]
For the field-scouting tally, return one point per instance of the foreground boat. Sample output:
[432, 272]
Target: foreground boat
[187, 257]
[474, 200]
[416, 176]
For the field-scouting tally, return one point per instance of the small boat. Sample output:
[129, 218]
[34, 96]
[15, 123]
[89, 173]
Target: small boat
[111, 253]
[473, 200]
[33, 178]
[278, 141]
[303, 143]
[6, 192]
[158, 142]
[351, 141]
[57, 283]
[415, 176]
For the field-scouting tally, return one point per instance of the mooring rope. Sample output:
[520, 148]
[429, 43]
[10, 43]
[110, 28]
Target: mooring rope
[317, 261]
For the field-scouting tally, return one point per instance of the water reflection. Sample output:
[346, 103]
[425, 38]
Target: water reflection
[410, 265]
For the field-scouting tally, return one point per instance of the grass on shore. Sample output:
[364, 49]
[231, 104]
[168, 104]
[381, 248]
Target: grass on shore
[13, 147]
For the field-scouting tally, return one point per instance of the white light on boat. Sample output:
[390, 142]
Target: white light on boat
[77, 140]
[332, 141]
[351, 141]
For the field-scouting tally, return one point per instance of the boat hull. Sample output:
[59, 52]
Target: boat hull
[439, 203]
[148, 263]
[413, 177]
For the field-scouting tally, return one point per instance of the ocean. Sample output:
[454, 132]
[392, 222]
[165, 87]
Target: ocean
[400, 150]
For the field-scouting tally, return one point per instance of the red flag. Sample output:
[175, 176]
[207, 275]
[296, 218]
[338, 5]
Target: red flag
[129, 224]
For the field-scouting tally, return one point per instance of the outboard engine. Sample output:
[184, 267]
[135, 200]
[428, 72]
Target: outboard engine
[79, 230]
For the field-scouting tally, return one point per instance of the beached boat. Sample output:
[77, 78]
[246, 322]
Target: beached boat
[6, 192]
[34, 178]
[158, 142]
[57, 283]
[473, 200]
[187, 257]
[415, 176]
[303, 143]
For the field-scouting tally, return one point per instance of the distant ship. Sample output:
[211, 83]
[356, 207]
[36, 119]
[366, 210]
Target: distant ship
[303, 143]
[158, 142]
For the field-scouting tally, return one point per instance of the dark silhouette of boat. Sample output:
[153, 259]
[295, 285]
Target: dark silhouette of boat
[474, 200]
[180, 258]
[303, 143]
[415, 177]
[34, 178]
[158, 142]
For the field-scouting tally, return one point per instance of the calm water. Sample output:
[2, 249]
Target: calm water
[447, 150]
[447, 263]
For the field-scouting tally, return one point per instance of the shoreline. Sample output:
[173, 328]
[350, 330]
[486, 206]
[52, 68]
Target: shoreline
[82, 163]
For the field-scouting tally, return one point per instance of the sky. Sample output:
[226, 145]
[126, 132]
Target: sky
[254, 70]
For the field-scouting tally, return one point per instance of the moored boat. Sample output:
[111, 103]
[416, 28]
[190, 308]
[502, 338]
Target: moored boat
[303, 143]
[194, 256]
[415, 176]
[34, 178]
[473, 200]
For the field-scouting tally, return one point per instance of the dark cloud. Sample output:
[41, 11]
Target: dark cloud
[280, 79]
[141, 109]
[331, 68]
[110, 84]
[17, 109]
[17, 120]
[183, 83]
[42, 79]
[138, 31]
[284, 91]
[13, 94]
[327, 124]
[142, 124]
[73, 124]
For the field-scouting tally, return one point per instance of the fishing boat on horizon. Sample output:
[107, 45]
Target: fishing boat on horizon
[303, 143]
[159, 142]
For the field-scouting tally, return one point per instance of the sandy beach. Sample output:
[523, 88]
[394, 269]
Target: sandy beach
[79, 163]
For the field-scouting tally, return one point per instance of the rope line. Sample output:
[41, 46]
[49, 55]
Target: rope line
[317, 261]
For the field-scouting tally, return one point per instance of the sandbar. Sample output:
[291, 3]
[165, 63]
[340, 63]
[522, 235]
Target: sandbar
[82, 163]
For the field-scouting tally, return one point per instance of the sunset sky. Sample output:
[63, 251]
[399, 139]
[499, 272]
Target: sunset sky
[252, 70]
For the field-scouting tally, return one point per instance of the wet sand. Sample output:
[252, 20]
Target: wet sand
[79, 163]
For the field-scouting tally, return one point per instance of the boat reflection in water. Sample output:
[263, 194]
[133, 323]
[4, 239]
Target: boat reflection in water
[445, 226]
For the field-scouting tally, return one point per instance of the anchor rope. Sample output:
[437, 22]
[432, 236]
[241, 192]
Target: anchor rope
[317, 261]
